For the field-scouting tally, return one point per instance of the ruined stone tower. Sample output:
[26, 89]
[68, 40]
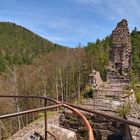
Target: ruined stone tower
[120, 54]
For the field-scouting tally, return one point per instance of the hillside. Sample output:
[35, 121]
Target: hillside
[135, 39]
[19, 45]
[35, 69]
[31, 65]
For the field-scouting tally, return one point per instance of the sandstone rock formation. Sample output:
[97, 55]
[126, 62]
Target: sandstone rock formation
[120, 54]
[62, 133]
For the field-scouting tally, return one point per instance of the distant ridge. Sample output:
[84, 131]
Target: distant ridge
[19, 45]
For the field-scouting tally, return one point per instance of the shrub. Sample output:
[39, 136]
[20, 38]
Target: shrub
[124, 110]
[137, 95]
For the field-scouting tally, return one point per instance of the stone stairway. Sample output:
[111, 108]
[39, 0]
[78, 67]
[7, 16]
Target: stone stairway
[102, 127]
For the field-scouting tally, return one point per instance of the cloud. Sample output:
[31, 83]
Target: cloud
[117, 8]
[75, 20]
[114, 10]
[57, 38]
[124, 8]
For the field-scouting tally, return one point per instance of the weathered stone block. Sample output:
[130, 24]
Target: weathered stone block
[63, 134]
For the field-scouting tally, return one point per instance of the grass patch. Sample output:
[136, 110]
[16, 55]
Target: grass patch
[124, 110]
[137, 95]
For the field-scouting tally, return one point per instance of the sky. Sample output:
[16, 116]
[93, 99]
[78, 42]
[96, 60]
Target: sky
[71, 22]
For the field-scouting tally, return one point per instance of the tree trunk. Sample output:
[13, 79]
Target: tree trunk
[16, 93]
[79, 83]
[61, 83]
[56, 87]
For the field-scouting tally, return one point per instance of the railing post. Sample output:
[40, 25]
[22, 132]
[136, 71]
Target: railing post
[45, 119]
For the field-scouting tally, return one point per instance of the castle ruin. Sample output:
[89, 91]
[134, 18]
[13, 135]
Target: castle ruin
[120, 54]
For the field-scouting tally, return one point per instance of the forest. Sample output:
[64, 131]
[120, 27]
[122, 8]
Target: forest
[19, 46]
[32, 65]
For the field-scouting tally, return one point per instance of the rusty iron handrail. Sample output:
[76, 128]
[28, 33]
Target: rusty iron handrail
[80, 108]
[87, 124]
[136, 124]
[59, 104]
[29, 111]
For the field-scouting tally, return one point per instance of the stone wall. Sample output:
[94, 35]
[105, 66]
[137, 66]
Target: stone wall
[120, 35]
[102, 127]
[120, 54]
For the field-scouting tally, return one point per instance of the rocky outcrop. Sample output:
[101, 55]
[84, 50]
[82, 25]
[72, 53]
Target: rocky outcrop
[120, 54]
[35, 130]
[63, 134]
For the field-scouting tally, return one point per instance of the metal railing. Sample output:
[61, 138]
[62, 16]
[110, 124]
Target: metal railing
[136, 124]
[45, 108]
[74, 108]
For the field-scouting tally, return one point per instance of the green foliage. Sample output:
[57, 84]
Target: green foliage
[88, 92]
[133, 80]
[124, 110]
[98, 55]
[135, 39]
[87, 88]
[19, 45]
[137, 95]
